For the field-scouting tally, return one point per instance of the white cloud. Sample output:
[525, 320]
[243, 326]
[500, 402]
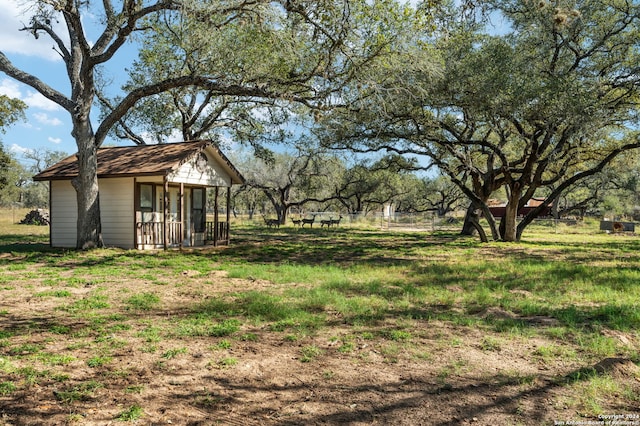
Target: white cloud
[19, 149]
[12, 89]
[36, 100]
[13, 17]
[45, 119]
[54, 140]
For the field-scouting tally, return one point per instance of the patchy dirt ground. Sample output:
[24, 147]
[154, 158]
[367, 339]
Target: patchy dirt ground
[93, 369]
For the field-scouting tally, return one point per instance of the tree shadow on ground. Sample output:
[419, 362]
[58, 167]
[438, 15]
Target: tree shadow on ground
[344, 247]
[415, 400]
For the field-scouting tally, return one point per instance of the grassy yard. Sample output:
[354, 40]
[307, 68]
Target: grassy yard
[322, 326]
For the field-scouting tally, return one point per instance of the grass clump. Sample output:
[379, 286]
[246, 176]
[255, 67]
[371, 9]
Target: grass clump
[133, 413]
[134, 389]
[88, 304]
[25, 349]
[53, 293]
[55, 358]
[228, 362]
[490, 344]
[223, 344]
[79, 392]
[310, 353]
[172, 353]
[150, 334]
[203, 326]
[99, 361]
[143, 301]
[7, 388]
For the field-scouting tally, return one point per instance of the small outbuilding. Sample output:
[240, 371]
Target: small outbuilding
[498, 209]
[151, 196]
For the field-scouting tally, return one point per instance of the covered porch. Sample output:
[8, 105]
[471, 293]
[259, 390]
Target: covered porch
[175, 215]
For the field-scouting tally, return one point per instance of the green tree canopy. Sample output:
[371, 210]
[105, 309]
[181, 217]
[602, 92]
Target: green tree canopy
[11, 111]
[547, 104]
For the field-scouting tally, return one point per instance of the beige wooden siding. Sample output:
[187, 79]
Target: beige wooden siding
[190, 175]
[64, 214]
[116, 211]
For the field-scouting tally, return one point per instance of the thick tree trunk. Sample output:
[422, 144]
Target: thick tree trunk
[508, 224]
[279, 215]
[468, 227]
[526, 221]
[89, 228]
[555, 208]
[491, 221]
[472, 220]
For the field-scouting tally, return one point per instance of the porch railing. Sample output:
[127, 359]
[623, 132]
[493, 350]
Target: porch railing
[152, 233]
[217, 235]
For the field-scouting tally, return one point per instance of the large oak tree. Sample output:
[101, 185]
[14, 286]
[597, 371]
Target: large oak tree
[548, 103]
[327, 29]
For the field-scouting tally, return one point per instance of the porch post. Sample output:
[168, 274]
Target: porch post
[136, 207]
[228, 215]
[181, 210]
[165, 213]
[216, 235]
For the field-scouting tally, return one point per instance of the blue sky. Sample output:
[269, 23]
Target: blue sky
[47, 125]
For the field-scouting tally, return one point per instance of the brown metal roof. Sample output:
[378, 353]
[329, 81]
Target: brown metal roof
[141, 160]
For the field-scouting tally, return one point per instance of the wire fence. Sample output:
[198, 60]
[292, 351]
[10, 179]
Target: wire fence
[428, 222]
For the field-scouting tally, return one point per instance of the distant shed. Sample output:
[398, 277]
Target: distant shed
[498, 210]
